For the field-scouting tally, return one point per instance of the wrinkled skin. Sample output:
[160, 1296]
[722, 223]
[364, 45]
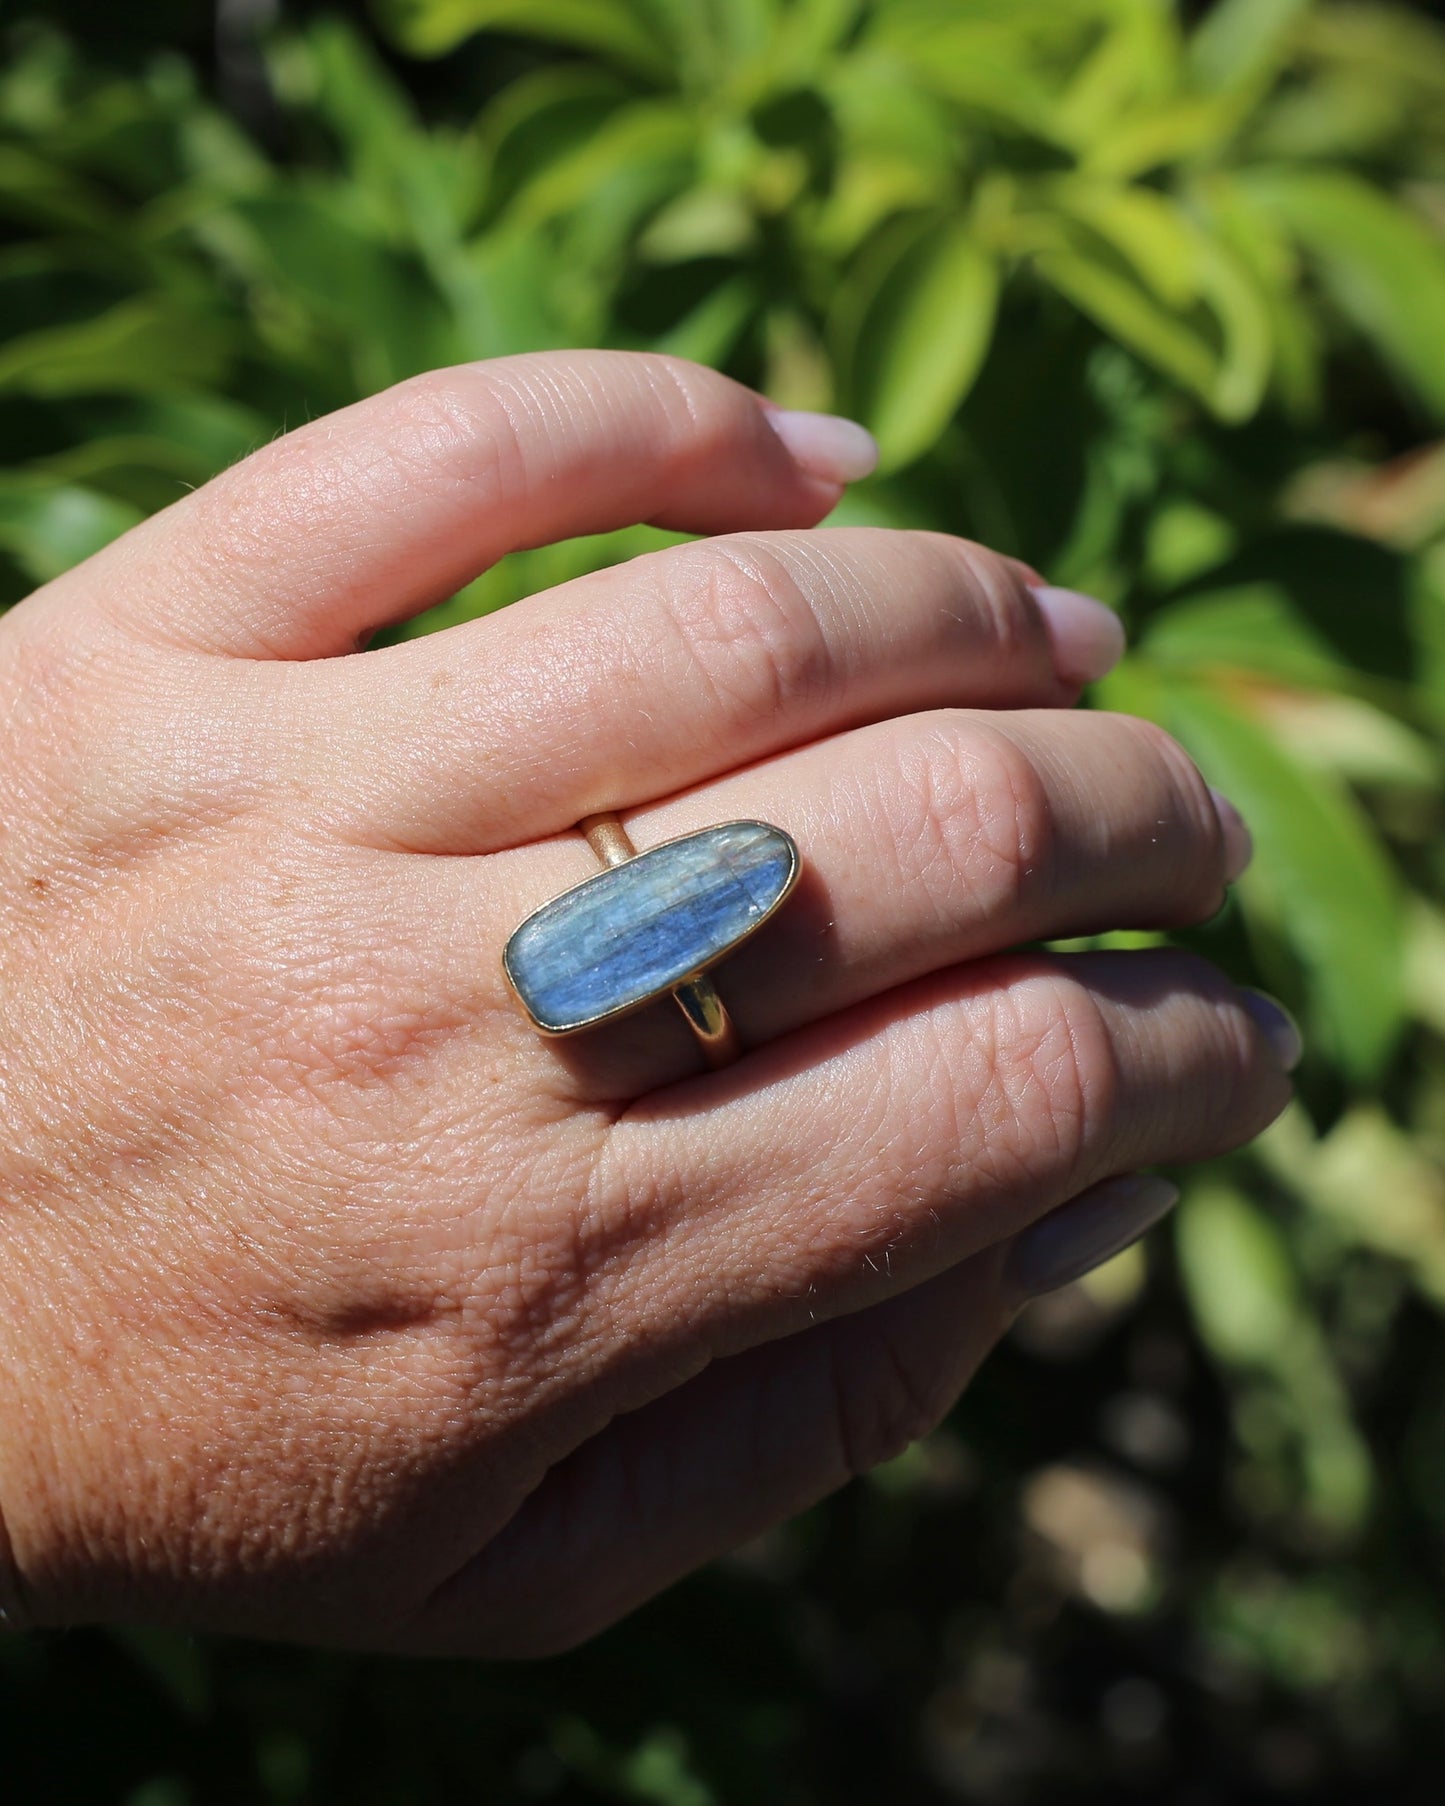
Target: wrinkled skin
[339, 1305]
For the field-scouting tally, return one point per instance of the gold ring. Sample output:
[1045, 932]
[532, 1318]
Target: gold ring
[651, 924]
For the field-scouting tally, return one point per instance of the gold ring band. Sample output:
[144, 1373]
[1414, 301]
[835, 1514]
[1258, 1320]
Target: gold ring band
[702, 1009]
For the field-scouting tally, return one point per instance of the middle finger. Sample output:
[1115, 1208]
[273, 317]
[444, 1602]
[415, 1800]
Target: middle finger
[635, 682]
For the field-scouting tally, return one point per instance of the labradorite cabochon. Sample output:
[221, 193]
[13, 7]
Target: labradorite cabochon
[638, 929]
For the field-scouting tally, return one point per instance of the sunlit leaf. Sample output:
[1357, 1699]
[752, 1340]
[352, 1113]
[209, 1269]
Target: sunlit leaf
[1242, 1286]
[1372, 1182]
[1259, 244]
[1245, 627]
[1178, 129]
[1352, 739]
[540, 119]
[1185, 269]
[701, 222]
[1252, 1312]
[1131, 64]
[924, 317]
[612, 28]
[391, 320]
[1238, 41]
[1383, 265]
[1319, 872]
[48, 527]
[146, 344]
[1128, 312]
[708, 333]
[652, 144]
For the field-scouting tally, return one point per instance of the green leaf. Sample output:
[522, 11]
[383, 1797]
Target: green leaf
[811, 28]
[923, 316]
[37, 191]
[1264, 252]
[1147, 229]
[1118, 304]
[311, 251]
[1373, 1182]
[1241, 1284]
[48, 527]
[609, 28]
[1351, 739]
[1186, 270]
[1133, 64]
[147, 450]
[1383, 266]
[1241, 41]
[1007, 62]
[1252, 1312]
[1401, 52]
[710, 330]
[1320, 875]
[1179, 128]
[649, 146]
[1244, 627]
[1184, 539]
[424, 182]
[149, 343]
[699, 222]
[541, 118]
[1428, 624]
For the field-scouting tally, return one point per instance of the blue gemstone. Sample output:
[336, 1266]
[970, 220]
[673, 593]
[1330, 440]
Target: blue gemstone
[637, 930]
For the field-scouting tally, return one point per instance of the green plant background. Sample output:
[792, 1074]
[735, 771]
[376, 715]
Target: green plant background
[1153, 295]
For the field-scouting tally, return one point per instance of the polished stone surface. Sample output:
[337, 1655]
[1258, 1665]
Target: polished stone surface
[635, 931]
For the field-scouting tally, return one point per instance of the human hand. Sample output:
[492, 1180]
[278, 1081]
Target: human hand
[337, 1304]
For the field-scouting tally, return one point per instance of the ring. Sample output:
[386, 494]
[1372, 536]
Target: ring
[649, 925]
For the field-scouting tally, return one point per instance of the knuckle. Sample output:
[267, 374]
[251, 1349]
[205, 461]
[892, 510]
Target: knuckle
[455, 426]
[440, 428]
[1011, 623]
[1157, 747]
[749, 630]
[48, 680]
[562, 1280]
[884, 1398]
[96, 791]
[532, 1297]
[1225, 1095]
[1052, 1074]
[366, 1016]
[978, 813]
[1185, 815]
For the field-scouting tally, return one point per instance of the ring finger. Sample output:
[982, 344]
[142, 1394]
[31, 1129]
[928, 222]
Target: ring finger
[927, 840]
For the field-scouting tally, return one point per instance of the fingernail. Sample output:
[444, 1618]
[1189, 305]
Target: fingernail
[1087, 637]
[1276, 1024]
[1238, 841]
[826, 445]
[1090, 1229]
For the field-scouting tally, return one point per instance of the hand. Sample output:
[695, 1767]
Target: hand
[337, 1303]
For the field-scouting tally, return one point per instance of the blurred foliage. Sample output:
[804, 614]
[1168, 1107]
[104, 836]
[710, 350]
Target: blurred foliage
[1153, 296]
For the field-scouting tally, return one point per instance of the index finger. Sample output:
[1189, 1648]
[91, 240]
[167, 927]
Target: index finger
[375, 512]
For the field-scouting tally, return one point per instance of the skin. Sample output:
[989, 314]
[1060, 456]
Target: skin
[337, 1304]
